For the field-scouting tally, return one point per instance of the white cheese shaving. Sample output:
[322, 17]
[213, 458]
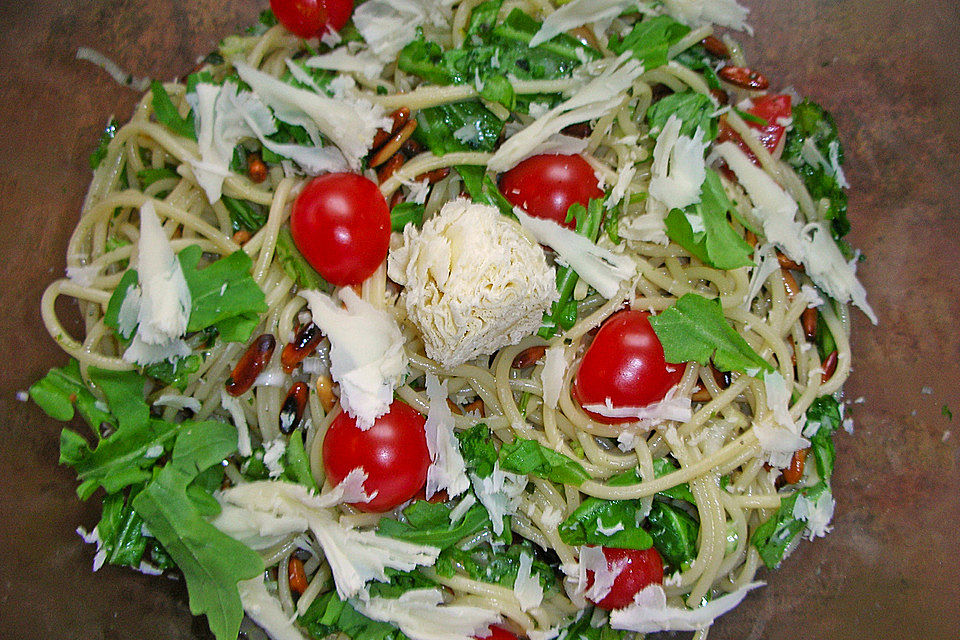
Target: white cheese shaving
[699, 13]
[154, 452]
[817, 514]
[767, 264]
[673, 406]
[388, 25]
[811, 245]
[499, 493]
[265, 610]
[601, 268]
[273, 452]
[366, 352]
[474, 282]
[678, 169]
[459, 511]
[447, 469]
[594, 99]
[349, 124]
[93, 537]
[232, 405]
[340, 59]
[556, 362]
[83, 275]
[422, 615]
[178, 401]
[604, 574]
[578, 13]
[527, 587]
[649, 612]
[165, 297]
[355, 557]
[609, 531]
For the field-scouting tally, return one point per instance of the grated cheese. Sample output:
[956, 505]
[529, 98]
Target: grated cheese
[678, 169]
[578, 13]
[447, 469]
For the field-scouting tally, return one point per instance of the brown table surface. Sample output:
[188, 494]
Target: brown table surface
[889, 72]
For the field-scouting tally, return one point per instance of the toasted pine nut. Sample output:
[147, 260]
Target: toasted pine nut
[829, 366]
[475, 406]
[393, 145]
[715, 47]
[744, 77]
[242, 237]
[400, 117]
[793, 473]
[392, 164]
[304, 343]
[291, 412]
[251, 363]
[325, 392]
[256, 168]
[808, 320]
[297, 575]
[529, 357]
[790, 283]
[787, 263]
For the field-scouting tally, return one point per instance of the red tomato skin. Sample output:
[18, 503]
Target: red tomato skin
[341, 224]
[625, 363]
[498, 633]
[643, 568]
[771, 108]
[311, 18]
[546, 185]
[393, 452]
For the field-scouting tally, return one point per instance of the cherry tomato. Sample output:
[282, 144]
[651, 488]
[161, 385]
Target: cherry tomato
[311, 18]
[640, 568]
[341, 225]
[498, 633]
[393, 452]
[773, 109]
[545, 186]
[624, 363]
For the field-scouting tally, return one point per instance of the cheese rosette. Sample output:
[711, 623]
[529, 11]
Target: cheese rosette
[474, 281]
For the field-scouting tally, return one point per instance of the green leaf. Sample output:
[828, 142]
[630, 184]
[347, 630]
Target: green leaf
[662, 467]
[494, 564]
[825, 412]
[812, 122]
[295, 265]
[496, 88]
[61, 389]
[244, 215]
[476, 447]
[693, 108]
[483, 189]
[108, 134]
[426, 527]
[694, 329]
[223, 294]
[328, 615]
[552, 59]
[211, 561]
[121, 531]
[175, 374]
[718, 245]
[167, 114]
[298, 464]
[529, 457]
[773, 537]
[111, 317]
[150, 175]
[674, 533]
[610, 523]
[650, 40]
[406, 213]
[436, 127]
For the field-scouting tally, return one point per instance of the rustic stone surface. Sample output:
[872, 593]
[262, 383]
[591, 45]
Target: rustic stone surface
[889, 72]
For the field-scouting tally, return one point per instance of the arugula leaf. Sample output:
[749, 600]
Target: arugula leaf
[693, 108]
[662, 467]
[563, 312]
[650, 40]
[565, 52]
[167, 114]
[824, 411]
[406, 213]
[175, 374]
[211, 561]
[295, 265]
[244, 215]
[429, 524]
[483, 189]
[108, 134]
[718, 245]
[223, 294]
[674, 533]
[298, 464]
[582, 629]
[150, 175]
[61, 389]
[476, 447]
[493, 564]
[595, 516]
[121, 531]
[529, 457]
[773, 537]
[120, 459]
[437, 127]
[694, 329]
[328, 615]
[111, 317]
[814, 123]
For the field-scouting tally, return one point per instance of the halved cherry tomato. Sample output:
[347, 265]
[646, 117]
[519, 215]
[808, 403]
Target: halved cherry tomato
[311, 18]
[545, 186]
[341, 224]
[624, 363]
[393, 452]
[640, 569]
[773, 109]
